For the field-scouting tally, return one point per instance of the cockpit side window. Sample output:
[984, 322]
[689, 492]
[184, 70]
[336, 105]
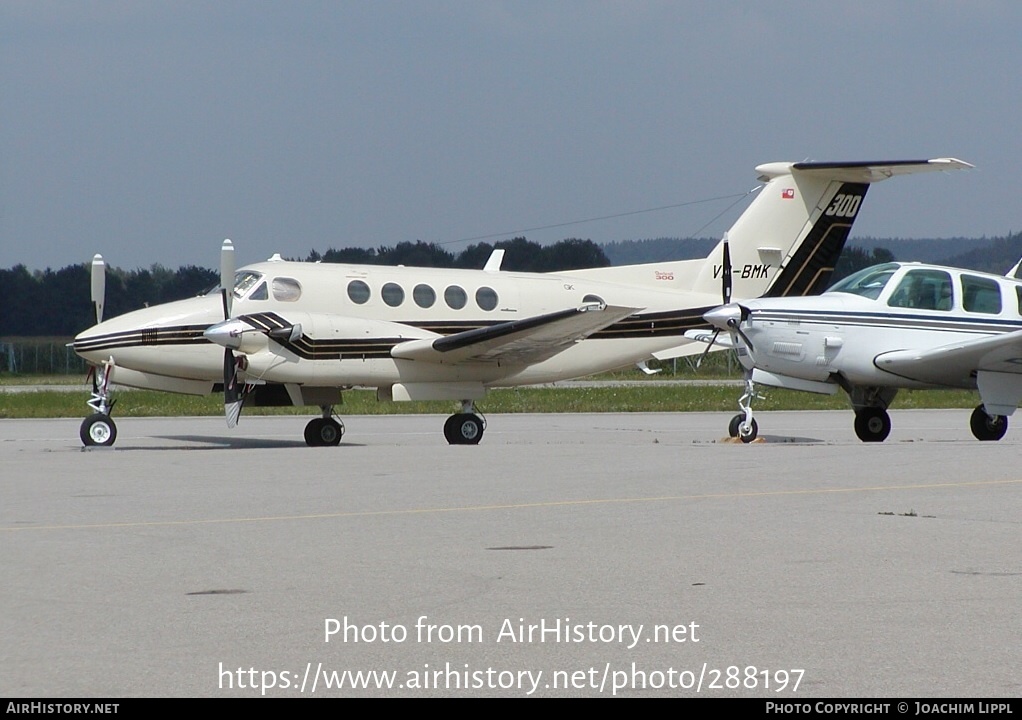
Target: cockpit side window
[868, 283]
[981, 295]
[923, 290]
[260, 293]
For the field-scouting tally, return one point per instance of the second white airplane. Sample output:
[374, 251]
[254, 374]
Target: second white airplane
[888, 327]
[288, 333]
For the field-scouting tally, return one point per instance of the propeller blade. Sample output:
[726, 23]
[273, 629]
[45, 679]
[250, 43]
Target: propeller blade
[232, 393]
[734, 326]
[98, 286]
[233, 398]
[709, 346]
[227, 276]
[726, 272]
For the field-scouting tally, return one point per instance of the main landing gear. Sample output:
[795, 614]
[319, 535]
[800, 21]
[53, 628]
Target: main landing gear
[873, 424]
[743, 426]
[465, 427]
[98, 428]
[326, 430]
[462, 428]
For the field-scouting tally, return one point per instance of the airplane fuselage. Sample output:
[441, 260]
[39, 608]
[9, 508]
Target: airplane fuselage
[353, 316]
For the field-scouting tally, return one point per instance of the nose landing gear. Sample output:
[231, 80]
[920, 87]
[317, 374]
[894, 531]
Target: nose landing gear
[743, 426]
[98, 428]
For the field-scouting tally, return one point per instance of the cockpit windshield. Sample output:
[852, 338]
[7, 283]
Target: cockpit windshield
[243, 282]
[868, 282]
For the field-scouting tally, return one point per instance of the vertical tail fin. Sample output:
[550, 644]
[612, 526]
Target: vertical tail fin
[789, 239]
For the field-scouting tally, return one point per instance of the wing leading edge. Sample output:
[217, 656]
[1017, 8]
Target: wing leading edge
[518, 342]
[995, 362]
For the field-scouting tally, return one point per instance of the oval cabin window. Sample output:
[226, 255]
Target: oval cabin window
[358, 292]
[455, 297]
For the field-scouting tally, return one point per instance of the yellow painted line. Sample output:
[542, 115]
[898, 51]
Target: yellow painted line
[514, 506]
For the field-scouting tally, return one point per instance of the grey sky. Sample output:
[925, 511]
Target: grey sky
[150, 131]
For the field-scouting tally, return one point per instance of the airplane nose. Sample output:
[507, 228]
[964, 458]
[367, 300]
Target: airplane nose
[724, 317]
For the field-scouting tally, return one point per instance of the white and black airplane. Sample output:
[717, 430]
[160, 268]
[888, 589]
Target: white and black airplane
[885, 328]
[294, 333]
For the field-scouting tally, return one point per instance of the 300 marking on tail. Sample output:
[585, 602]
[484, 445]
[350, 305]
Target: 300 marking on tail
[844, 205]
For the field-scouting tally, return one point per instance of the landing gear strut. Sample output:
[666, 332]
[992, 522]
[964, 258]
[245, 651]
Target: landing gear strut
[987, 427]
[99, 428]
[324, 431]
[465, 427]
[743, 426]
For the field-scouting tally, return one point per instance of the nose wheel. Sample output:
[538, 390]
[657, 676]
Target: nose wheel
[98, 429]
[746, 431]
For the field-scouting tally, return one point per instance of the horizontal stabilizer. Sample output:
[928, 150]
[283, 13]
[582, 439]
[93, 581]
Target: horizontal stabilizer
[875, 171]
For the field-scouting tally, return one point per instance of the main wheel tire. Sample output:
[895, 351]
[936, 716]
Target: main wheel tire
[872, 424]
[463, 429]
[312, 432]
[98, 429]
[987, 427]
[736, 421]
[322, 432]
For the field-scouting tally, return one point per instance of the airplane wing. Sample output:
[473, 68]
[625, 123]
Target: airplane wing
[518, 342]
[995, 362]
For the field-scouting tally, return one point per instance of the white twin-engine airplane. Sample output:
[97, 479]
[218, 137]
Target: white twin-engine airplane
[887, 327]
[294, 333]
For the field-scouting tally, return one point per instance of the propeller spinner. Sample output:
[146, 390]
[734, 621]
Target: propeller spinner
[729, 317]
